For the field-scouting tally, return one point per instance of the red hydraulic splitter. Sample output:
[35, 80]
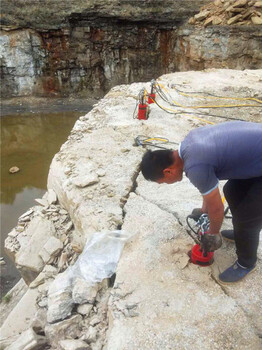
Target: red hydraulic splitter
[196, 254]
[143, 108]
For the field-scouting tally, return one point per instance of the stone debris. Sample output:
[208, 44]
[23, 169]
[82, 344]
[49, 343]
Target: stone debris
[39, 321]
[2, 261]
[67, 329]
[48, 272]
[84, 309]
[14, 170]
[229, 12]
[73, 344]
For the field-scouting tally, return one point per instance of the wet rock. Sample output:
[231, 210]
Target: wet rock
[14, 170]
[73, 344]
[83, 292]
[28, 340]
[69, 328]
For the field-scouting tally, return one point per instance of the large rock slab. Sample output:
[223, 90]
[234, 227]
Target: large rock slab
[163, 306]
[20, 317]
[28, 259]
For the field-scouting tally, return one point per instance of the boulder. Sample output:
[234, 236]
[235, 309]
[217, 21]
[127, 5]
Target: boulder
[66, 329]
[60, 302]
[28, 340]
[83, 292]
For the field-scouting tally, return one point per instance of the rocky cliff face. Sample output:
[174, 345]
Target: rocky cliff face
[90, 47]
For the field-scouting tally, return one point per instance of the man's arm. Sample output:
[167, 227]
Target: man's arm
[204, 205]
[215, 210]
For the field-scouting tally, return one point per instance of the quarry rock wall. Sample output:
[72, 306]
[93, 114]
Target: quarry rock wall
[86, 49]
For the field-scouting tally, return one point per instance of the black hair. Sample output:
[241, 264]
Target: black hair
[154, 162]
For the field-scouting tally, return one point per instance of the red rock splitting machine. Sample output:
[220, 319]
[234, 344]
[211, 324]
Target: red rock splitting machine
[197, 254]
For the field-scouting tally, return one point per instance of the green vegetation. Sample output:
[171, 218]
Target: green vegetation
[6, 298]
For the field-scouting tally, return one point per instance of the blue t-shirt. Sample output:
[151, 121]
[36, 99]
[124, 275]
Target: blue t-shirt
[231, 150]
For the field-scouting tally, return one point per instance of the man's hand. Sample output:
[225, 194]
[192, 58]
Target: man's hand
[211, 242]
[196, 213]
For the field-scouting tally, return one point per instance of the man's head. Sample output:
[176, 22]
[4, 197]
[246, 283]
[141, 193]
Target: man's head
[163, 166]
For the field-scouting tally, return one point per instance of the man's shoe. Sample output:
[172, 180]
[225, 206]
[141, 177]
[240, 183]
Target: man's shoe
[235, 273]
[228, 235]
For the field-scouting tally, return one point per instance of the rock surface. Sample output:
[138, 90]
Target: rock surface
[157, 298]
[165, 299]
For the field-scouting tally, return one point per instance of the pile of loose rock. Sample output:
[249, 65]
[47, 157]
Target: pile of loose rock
[229, 12]
[43, 246]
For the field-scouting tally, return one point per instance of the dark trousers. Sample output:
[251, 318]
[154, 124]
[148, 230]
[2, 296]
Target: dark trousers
[244, 198]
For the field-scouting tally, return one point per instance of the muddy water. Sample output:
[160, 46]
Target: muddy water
[28, 142]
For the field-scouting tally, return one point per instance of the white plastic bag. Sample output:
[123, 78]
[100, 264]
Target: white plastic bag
[98, 260]
[100, 256]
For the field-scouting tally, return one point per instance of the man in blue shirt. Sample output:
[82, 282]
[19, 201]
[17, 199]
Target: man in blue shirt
[229, 151]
